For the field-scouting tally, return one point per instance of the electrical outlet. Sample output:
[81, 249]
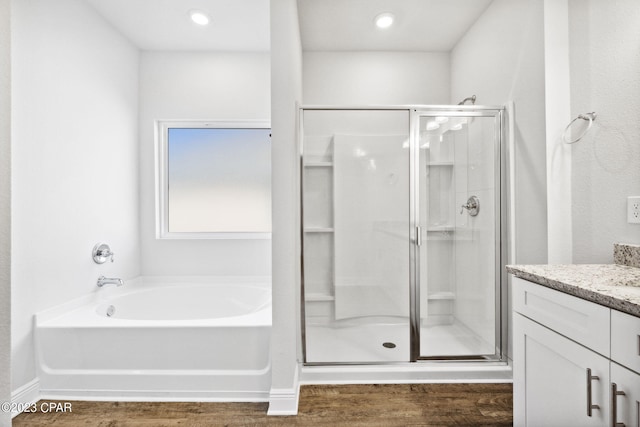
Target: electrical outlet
[633, 209]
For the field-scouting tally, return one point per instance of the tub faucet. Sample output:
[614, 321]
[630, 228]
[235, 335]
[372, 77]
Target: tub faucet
[109, 281]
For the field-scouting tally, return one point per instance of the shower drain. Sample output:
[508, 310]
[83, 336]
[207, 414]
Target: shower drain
[388, 345]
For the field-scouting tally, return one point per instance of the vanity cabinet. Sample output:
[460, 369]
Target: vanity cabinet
[551, 386]
[625, 369]
[570, 356]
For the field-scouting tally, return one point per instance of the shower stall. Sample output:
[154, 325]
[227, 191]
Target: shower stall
[403, 232]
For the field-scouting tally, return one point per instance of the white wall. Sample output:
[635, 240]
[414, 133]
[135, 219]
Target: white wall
[604, 63]
[286, 86]
[5, 209]
[558, 114]
[376, 78]
[501, 59]
[75, 160]
[198, 86]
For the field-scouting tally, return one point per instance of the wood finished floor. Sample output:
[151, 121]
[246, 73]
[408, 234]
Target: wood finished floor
[372, 405]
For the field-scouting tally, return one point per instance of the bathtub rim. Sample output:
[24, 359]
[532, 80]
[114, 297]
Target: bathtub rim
[64, 315]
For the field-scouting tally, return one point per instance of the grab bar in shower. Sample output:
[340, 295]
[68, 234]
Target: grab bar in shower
[588, 116]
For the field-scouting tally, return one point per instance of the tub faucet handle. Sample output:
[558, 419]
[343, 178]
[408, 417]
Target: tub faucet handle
[106, 254]
[102, 251]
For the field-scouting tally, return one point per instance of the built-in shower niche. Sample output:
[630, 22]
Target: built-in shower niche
[318, 150]
[438, 297]
[317, 179]
[318, 238]
[318, 276]
[318, 197]
[438, 155]
[438, 181]
[441, 206]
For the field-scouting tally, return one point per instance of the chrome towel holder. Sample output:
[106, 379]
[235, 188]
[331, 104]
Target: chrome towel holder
[587, 116]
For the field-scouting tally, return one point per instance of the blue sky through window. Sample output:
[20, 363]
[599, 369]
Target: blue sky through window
[219, 180]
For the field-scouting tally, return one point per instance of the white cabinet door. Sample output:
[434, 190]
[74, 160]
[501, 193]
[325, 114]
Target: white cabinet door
[550, 379]
[626, 406]
[625, 340]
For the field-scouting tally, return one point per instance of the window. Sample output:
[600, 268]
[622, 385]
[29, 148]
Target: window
[214, 180]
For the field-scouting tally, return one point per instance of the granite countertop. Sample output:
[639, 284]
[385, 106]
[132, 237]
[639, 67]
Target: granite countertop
[612, 285]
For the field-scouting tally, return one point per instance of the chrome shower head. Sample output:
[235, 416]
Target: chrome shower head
[472, 98]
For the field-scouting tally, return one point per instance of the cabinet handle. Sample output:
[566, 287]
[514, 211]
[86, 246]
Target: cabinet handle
[590, 406]
[614, 405]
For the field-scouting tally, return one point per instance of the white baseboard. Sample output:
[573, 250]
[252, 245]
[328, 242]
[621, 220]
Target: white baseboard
[284, 401]
[155, 395]
[22, 397]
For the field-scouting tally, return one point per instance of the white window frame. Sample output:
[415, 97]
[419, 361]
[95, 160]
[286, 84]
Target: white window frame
[162, 177]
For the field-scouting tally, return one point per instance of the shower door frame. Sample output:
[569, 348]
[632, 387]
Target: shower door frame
[500, 224]
[501, 250]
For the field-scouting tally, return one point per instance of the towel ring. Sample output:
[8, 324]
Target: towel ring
[588, 116]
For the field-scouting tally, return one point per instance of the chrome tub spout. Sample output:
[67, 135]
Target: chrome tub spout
[109, 281]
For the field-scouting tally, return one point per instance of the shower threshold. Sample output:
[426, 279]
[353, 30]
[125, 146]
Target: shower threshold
[410, 373]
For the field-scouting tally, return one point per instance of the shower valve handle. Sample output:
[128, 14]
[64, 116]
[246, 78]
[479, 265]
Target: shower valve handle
[472, 206]
[102, 252]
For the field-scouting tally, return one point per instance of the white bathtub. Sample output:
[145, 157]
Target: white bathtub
[205, 339]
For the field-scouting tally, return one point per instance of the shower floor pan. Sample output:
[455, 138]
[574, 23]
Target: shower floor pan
[356, 354]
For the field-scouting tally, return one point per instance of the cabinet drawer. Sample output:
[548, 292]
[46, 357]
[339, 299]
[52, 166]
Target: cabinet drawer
[582, 321]
[625, 340]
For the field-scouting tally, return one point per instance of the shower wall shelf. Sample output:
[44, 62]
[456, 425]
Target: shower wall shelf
[318, 230]
[441, 296]
[319, 297]
[318, 164]
[445, 163]
[318, 225]
[437, 228]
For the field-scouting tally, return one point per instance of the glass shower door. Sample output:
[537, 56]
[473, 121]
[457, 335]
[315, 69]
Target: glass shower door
[459, 217]
[356, 235]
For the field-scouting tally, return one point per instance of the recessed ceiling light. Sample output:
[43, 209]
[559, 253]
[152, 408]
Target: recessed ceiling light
[199, 17]
[384, 20]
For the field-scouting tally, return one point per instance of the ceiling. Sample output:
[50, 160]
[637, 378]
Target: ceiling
[236, 25]
[329, 25]
[420, 25]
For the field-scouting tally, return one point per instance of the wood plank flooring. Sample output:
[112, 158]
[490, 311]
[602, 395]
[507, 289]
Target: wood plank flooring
[371, 405]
